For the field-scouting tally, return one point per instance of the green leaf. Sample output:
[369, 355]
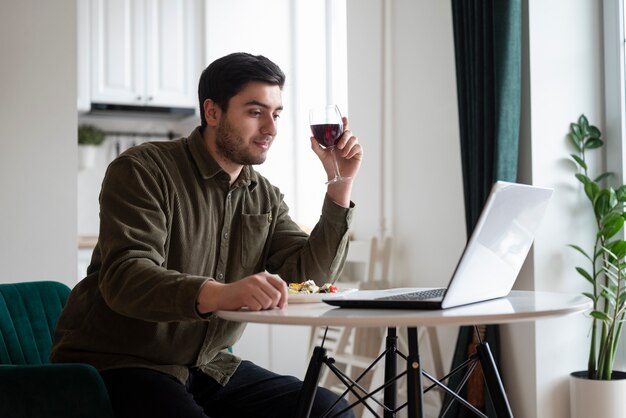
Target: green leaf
[584, 273]
[612, 198]
[621, 193]
[610, 263]
[576, 140]
[602, 177]
[601, 201]
[590, 296]
[613, 223]
[592, 143]
[591, 189]
[600, 315]
[618, 248]
[612, 215]
[608, 293]
[582, 178]
[583, 122]
[611, 279]
[575, 128]
[594, 131]
[579, 161]
[580, 250]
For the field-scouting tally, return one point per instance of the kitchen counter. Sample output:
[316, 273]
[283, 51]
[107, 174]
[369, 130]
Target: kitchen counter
[87, 241]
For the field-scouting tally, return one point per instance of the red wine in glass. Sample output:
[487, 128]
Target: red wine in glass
[327, 134]
[327, 127]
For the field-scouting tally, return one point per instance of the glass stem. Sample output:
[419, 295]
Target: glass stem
[332, 150]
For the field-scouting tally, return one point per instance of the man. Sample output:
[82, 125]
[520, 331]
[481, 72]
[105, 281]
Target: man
[187, 227]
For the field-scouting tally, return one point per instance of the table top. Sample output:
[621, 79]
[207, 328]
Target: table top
[519, 306]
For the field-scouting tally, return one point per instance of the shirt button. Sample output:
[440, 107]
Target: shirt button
[225, 235]
[228, 195]
[220, 276]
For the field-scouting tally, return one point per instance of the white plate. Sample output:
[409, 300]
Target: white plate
[315, 297]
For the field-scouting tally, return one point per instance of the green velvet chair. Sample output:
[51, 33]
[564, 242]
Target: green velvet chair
[29, 385]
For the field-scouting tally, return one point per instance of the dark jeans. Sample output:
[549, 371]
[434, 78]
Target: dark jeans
[251, 392]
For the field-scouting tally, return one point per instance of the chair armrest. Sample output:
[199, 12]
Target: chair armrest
[53, 390]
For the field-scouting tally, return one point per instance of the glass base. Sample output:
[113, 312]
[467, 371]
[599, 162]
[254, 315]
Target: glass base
[338, 179]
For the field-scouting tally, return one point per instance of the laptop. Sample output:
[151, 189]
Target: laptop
[490, 262]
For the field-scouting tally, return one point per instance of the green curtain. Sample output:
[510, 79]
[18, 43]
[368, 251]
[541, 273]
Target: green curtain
[487, 40]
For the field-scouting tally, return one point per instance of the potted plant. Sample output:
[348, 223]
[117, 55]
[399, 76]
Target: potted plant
[89, 138]
[606, 275]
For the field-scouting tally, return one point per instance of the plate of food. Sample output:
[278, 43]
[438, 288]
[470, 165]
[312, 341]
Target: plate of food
[309, 292]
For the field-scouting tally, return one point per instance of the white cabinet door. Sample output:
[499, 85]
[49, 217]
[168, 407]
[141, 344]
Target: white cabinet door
[118, 51]
[172, 53]
[145, 52]
[83, 37]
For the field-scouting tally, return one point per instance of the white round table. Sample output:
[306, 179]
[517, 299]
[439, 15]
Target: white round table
[518, 306]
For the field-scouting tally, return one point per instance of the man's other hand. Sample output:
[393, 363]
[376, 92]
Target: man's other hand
[257, 292]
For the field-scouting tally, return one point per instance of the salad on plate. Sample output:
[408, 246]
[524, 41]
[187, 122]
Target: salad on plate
[309, 287]
[308, 291]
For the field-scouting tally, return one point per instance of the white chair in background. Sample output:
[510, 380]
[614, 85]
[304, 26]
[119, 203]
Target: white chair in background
[358, 269]
[368, 266]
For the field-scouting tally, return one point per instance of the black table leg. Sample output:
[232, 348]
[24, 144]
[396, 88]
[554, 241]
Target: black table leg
[309, 386]
[415, 390]
[493, 382]
[390, 394]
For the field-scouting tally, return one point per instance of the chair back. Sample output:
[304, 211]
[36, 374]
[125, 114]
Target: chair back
[368, 264]
[28, 315]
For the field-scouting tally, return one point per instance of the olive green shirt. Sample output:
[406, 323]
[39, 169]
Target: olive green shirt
[169, 221]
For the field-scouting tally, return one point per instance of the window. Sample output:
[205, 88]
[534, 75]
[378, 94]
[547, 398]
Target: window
[615, 97]
[615, 102]
[311, 47]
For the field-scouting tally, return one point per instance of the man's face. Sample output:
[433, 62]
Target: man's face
[246, 131]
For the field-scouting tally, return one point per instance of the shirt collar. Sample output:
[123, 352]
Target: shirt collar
[209, 168]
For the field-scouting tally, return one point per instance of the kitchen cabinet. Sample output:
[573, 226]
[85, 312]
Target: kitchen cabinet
[145, 52]
[82, 59]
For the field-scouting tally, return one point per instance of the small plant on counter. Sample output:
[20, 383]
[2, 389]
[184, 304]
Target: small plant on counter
[607, 261]
[90, 135]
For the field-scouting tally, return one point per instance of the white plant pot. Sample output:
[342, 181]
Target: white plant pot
[597, 398]
[87, 156]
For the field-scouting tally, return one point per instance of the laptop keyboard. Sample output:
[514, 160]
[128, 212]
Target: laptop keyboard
[419, 295]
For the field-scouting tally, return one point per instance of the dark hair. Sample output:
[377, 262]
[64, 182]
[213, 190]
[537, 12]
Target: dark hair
[227, 76]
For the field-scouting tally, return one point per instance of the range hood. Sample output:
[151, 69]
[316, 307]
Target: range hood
[109, 109]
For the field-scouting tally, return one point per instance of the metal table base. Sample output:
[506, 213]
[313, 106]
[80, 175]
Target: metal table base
[414, 375]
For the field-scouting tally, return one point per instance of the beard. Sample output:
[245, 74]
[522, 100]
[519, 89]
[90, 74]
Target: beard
[231, 145]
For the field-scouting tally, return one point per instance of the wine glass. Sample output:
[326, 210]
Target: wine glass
[327, 127]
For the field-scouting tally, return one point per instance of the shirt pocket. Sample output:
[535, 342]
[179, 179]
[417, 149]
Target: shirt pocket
[254, 231]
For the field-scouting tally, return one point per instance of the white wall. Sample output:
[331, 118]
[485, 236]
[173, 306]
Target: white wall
[563, 78]
[409, 116]
[38, 144]
[403, 105]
